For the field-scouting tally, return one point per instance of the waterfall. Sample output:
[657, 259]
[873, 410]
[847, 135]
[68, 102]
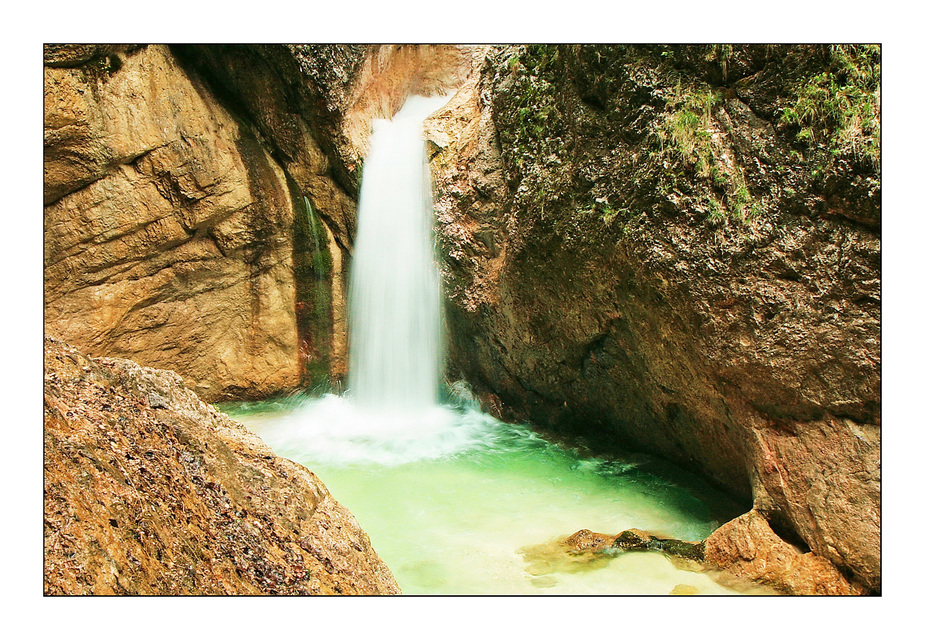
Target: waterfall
[395, 299]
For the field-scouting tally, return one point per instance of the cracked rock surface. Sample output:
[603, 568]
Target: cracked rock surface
[168, 227]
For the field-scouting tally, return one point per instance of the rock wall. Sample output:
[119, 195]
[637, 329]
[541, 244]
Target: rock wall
[746, 551]
[672, 249]
[168, 227]
[149, 491]
[677, 250]
[201, 201]
[311, 106]
[295, 97]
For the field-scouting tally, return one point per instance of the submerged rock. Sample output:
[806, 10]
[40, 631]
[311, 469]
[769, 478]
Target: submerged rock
[148, 490]
[585, 541]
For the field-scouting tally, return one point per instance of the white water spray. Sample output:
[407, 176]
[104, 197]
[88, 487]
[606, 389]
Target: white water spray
[390, 415]
[395, 321]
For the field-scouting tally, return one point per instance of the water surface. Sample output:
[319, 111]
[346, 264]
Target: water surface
[457, 502]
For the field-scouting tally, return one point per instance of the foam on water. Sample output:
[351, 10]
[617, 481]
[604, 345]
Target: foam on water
[340, 432]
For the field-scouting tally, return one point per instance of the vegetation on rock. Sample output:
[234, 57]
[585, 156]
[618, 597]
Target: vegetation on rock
[838, 109]
[312, 268]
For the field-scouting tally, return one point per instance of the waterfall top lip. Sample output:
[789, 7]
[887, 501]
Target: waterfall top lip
[416, 108]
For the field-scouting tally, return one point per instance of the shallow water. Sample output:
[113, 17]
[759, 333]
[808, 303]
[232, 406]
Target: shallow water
[457, 502]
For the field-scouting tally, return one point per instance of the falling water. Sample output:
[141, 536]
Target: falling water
[394, 287]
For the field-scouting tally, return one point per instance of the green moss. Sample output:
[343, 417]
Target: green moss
[837, 111]
[721, 53]
[687, 128]
[539, 57]
[687, 131]
[716, 214]
[312, 266]
[532, 128]
[315, 374]
[741, 203]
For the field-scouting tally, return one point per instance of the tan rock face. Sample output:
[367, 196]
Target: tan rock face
[167, 227]
[295, 97]
[150, 491]
[747, 549]
[473, 222]
[286, 92]
[391, 73]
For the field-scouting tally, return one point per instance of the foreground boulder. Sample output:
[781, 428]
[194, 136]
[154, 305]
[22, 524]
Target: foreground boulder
[148, 490]
[748, 550]
[745, 554]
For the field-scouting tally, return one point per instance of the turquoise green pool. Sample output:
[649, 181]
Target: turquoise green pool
[457, 502]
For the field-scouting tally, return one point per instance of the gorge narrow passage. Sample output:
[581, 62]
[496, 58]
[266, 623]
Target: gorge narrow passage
[455, 501]
[666, 249]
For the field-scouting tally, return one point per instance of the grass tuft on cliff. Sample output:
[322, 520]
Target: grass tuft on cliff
[837, 110]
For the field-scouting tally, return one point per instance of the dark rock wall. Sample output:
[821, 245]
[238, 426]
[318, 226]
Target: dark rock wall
[677, 249]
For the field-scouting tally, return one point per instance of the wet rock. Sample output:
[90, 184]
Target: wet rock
[748, 549]
[745, 555]
[585, 541]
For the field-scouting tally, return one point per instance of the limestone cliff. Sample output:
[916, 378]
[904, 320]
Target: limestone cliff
[168, 227]
[677, 249]
[295, 98]
[311, 106]
[150, 491]
[201, 201]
